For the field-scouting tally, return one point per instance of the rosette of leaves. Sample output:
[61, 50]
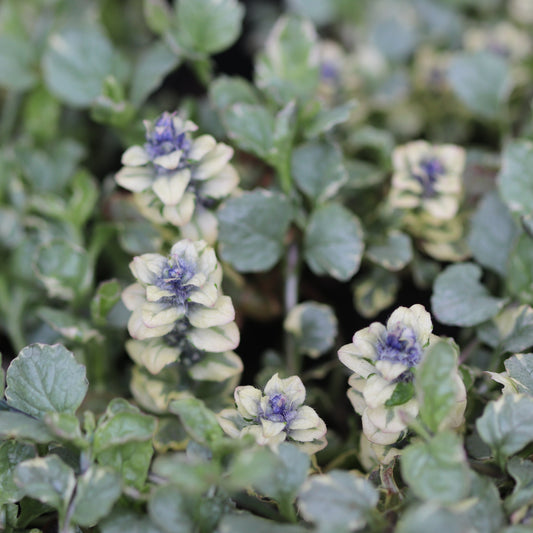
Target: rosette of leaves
[178, 179]
[427, 187]
[384, 361]
[275, 415]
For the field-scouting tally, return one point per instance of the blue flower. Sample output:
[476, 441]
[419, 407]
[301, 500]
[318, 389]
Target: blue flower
[400, 345]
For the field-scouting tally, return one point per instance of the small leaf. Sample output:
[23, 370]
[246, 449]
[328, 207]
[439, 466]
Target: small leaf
[437, 470]
[393, 253]
[519, 280]
[15, 425]
[157, 15]
[18, 71]
[481, 81]
[521, 470]
[333, 242]
[375, 291]
[106, 297]
[314, 326]
[286, 479]
[436, 385]
[64, 269]
[199, 421]
[507, 424]
[519, 367]
[251, 127]
[126, 520]
[288, 67]
[403, 392]
[151, 68]
[11, 454]
[492, 234]
[459, 299]
[208, 26]
[244, 522]
[76, 63]
[514, 184]
[228, 90]
[326, 119]
[431, 517]
[337, 499]
[96, 492]
[47, 479]
[318, 169]
[70, 326]
[170, 510]
[252, 229]
[45, 378]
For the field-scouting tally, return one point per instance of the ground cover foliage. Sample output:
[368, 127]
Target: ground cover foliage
[266, 266]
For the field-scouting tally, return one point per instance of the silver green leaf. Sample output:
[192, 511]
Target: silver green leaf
[460, 299]
[45, 378]
[333, 242]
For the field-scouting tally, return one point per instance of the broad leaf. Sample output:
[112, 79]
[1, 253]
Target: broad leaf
[492, 234]
[252, 229]
[437, 470]
[436, 385]
[314, 327]
[521, 470]
[519, 280]
[76, 63]
[393, 253]
[11, 454]
[170, 510]
[45, 378]
[208, 26]
[481, 81]
[338, 499]
[515, 185]
[459, 299]
[333, 242]
[228, 90]
[318, 169]
[200, 422]
[507, 424]
[18, 71]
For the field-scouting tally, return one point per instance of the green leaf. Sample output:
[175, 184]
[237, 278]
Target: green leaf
[170, 510]
[393, 253]
[228, 90]
[76, 63]
[507, 424]
[286, 479]
[337, 499]
[318, 169]
[200, 422]
[403, 392]
[252, 229]
[431, 517]
[67, 428]
[486, 512]
[437, 470]
[208, 26]
[19, 426]
[288, 68]
[244, 522]
[11, 454]
[106, 297]
[481, 81]
[96, 492]
[70, 326]
[250, 467]
[127, 520]
[150, 69]
[47, 479]
[18, 71]
[326, 119]
[459, 299]
[520, 369]
[314, 327]
[45, 378]
[514, 184]
[63, 268]
[436, 386]
[492, 234]
[333, 242]
[519, 280]
[42, 112]
[251, 127]
[521, 470]
[375, 291]
[157, 15]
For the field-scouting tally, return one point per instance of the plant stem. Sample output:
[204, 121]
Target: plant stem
[9, 115]
[292, 279]
[286, 508]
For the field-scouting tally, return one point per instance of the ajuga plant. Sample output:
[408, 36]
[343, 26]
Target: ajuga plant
[266, 266]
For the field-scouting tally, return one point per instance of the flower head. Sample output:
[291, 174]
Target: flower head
[428, 177]
[173, 173]
[178, 295]
[276, 415]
